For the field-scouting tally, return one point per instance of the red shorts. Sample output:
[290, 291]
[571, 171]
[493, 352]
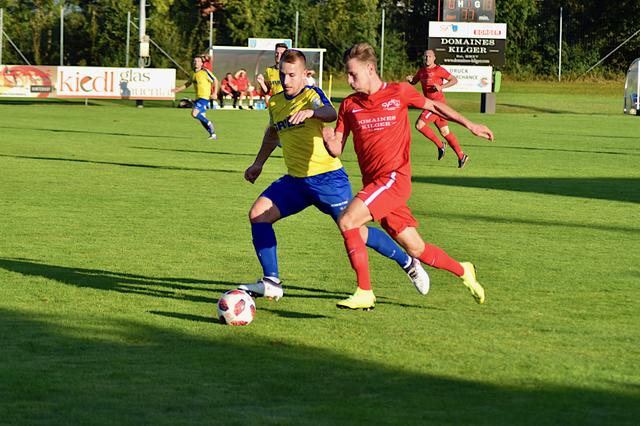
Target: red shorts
[386, 198]
[429, 117]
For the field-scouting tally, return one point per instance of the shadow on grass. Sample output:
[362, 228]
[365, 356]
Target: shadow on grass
[117, 281]
[233, 154]
[602, 188]
[128, 372]
[110, 163]
[546, 223]
[572, 151]
[95, 133]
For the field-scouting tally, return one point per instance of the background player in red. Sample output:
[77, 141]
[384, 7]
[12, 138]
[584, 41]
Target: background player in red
[377, 116]
[433, 79]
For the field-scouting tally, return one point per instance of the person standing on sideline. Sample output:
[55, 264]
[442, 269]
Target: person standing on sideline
[434, 79]
[203, 81]
[313, 177]
[271, 85]
[376, 115]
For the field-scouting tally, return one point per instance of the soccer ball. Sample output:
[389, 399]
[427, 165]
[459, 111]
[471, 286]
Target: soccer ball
[236, 307]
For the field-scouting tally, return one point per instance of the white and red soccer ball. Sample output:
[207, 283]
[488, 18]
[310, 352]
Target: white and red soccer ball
[236, 307]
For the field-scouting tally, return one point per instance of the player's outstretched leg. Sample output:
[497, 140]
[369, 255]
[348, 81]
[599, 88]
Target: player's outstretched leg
[206, 123]
[438, 258]
[430, 134]
[265, 244]
[363, 298]
[384, 244]
[453, 143]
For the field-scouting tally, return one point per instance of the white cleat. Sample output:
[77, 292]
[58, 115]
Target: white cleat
[264, 287]
[213, 137]
[418, 276]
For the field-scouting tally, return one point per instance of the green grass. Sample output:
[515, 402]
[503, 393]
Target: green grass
[121, 227]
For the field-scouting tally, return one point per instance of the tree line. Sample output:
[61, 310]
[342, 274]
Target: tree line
[95, 31]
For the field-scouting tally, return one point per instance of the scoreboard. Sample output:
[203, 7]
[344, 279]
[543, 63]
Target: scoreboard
[469, 11]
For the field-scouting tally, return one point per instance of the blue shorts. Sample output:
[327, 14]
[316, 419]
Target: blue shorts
[330, 192]
[201, 105]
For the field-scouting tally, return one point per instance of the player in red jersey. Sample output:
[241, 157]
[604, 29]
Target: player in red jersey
[433, 79]
[377, 116]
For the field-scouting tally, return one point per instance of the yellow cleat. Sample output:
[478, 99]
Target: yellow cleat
[361, 299]
[470, 281]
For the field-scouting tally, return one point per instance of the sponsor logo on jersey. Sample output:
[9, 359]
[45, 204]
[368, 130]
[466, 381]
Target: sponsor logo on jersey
[391, 105]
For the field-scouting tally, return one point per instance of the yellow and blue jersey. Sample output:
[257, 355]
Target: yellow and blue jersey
[273, 77]
[203, 80]
[302, 146]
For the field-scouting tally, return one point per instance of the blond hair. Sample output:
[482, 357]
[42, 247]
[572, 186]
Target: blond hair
[363, 52]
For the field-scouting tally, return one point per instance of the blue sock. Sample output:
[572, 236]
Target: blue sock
[264, 241]
[383, 244]
[208, 125]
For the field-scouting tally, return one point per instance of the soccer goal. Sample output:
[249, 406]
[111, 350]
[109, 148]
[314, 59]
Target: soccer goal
[632, 89]
[229, 59]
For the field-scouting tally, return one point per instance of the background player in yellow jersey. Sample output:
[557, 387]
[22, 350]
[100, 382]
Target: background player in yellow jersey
[271, 84]
[313, 177]
[203, 80]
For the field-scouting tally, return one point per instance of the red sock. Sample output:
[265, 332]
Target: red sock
[436, 257]
[453, 143]
[425, 130]
[358, 256]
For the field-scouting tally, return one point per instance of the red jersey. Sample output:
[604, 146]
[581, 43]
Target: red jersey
[206, 64]
[242, 83]
[226, 84]
[381, 129]
[428, 77]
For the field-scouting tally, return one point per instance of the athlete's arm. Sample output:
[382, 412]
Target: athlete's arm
[184, 86]
[326, 114]
[333, 141]
[269, 143]
[264, 85]
[214, 89]
[448, 113]
[452, 81]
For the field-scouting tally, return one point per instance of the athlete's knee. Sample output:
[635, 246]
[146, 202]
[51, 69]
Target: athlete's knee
[420, 124]
[346, 221]
[263, 212]
[194, 113]
[412, 243]
[444, 130]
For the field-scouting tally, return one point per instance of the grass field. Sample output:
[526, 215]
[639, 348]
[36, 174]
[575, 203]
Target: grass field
[120, 227]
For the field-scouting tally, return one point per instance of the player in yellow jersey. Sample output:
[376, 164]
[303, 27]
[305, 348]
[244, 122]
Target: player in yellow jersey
[203, 80]
[271, 84]
[313, 177]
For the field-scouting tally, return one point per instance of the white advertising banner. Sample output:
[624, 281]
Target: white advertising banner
[470, 78]
[116, 83]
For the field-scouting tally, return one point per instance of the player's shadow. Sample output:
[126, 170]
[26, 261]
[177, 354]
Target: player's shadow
[93, 132]
[211, 319]
[603, 188]
[531, 108]
[561, 225]
[111, 163]
[192, 151]
[173, 288]
[572, 151]
[216, 373]
[186, 317]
